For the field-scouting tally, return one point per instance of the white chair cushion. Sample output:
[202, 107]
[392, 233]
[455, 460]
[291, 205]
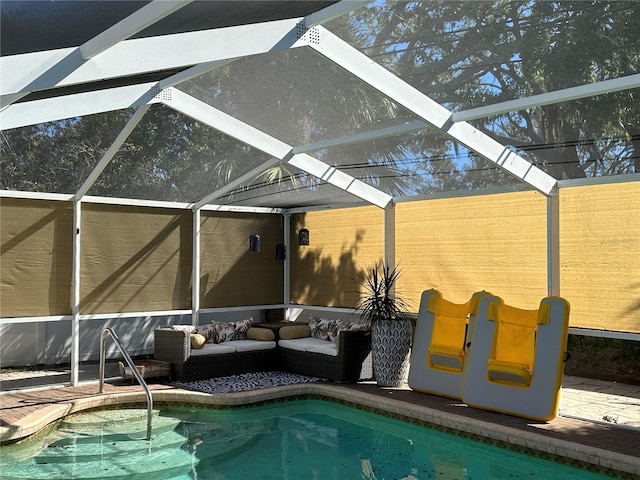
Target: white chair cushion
[299, 344]
[326, 348]
[213, 349]
[310, 344]
[250, 345]
[294, 344]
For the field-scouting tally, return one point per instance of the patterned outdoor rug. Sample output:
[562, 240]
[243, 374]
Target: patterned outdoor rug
[245, 382]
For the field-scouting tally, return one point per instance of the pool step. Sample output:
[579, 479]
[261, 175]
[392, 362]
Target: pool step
[157, 464]
[136, 427]
[89, 448]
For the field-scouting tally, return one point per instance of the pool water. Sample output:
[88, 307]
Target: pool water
[297, 440]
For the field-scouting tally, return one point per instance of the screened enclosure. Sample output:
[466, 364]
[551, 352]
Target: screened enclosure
[480, 145]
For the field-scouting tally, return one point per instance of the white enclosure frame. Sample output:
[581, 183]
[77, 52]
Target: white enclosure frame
[113, 54]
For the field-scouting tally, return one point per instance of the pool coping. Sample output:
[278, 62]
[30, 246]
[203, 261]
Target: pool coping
[595, 458]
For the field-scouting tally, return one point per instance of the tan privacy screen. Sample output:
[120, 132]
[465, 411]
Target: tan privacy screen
[342, 243]
[134, 259]
[463, 245]
[139, 258]
[231, 275]
[36, 257]
[600, 255]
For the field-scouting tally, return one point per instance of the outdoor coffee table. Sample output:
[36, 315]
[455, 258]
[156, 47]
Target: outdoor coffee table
[146, 368]
[276, 326]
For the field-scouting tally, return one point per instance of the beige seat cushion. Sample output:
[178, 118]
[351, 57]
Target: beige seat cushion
[261, 334]
[291, 332]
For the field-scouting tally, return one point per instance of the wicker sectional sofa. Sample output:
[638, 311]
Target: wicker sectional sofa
[306, 356]
[346, 359]
[189, 364]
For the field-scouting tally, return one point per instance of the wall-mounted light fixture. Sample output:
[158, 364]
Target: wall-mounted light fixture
[281, 252]
[303, 237]
[254, 243]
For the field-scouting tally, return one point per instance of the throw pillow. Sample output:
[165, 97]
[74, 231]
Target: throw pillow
[209, 332]
[197, 341]
[328, 329]
[219, 332]
[291, 332]
[320, 327]
[233, 330]
[262, 334]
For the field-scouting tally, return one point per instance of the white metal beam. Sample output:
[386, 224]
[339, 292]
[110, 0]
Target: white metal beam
[195, 268]
[153, 53]
[77, 105]
[233, 127]
[339, 179]
[142, 18]
[134, 23]
[193, 72]
[58, 197]
[401, 129]
[333, 11]
[63, 67]
[97, 101]
[286, 233]
[227, 124]
[564, 95]
[75, 293]
[412, 99]
[553, 245]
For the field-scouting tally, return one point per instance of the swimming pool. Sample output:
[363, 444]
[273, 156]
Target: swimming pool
[297, 439]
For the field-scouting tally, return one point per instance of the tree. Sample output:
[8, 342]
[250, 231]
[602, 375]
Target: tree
[470, 54]
[461, 54]
[167, 156]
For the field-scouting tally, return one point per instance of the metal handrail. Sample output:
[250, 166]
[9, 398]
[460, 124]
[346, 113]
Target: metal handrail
[134, 371]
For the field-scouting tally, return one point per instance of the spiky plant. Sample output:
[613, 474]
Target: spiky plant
[379, 298]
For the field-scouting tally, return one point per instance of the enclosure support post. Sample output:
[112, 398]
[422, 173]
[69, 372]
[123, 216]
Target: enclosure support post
[390, 234]
[553, 243]
[75, 296]
[195, 268]
[286, 232]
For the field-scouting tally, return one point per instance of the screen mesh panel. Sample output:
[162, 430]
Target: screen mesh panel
[460, 246]
[579, 148]
[172, 157]
[296, 96]
[342, 244]
[231, 275]
[418, 163]
[134, 259]
[600, 255]
[57, 157]
[470, 54]
[37, 257]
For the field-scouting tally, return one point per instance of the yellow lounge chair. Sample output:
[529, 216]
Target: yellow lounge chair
[517, 360]
[439, 345]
